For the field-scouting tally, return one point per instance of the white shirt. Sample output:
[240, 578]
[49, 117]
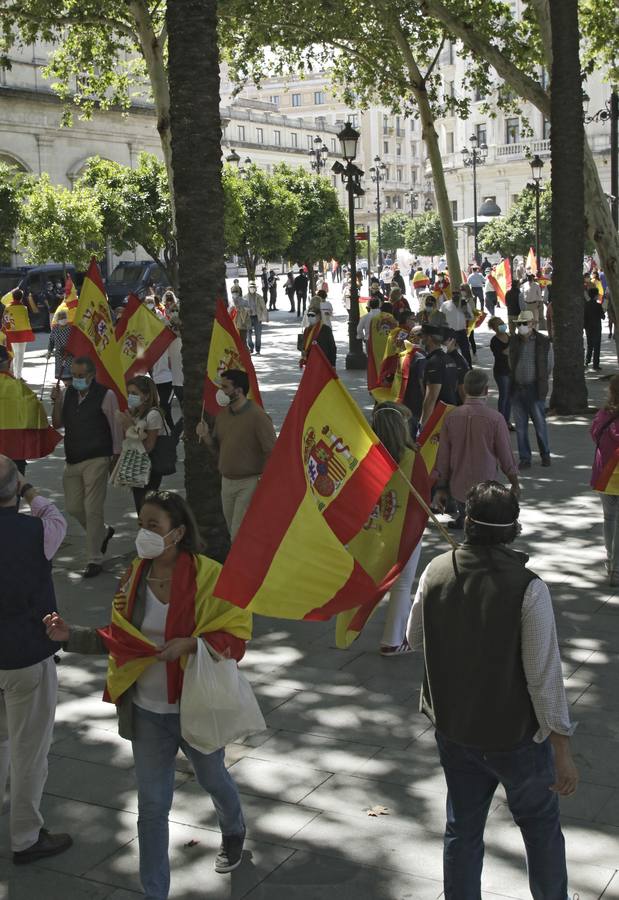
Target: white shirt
[326, 311]
[161, 371]
[456, 318]
[476, 279]
[151, 688]
[531, 292]
[540, 656]
[176, 361]
[363, 328]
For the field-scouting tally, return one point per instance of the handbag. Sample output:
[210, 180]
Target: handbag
[163, 454]
[300, 342]
[218, 705]
[133, 467]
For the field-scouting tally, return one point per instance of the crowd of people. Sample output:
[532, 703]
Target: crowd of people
[492, 682]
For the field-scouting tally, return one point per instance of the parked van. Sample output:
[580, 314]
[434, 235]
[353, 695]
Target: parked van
[133, 277]
[46, 284]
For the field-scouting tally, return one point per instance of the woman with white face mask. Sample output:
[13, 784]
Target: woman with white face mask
[165, 604]
[143, 423]
[317, 332]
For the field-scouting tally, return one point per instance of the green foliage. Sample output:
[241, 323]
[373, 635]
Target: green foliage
[320, 228]
[12, 187]
[423, 235]
[513, 234]
[60, 225]
[393, 230]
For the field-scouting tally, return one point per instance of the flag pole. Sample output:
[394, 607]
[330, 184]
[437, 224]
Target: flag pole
[427, 510]
[44, 377]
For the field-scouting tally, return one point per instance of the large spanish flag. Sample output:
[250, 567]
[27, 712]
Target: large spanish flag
[531, 265]
[325, 475]
[93, 335]
[226, 351]
[69, 303]
[430, 435]
[25, 432]
[381, 327]
[16, 323]
[394, 373]
[143, 337]
[501, 279]
[420, 280]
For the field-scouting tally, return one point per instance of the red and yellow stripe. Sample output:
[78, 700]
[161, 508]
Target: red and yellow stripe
[16, 324]
[143, 337]
[381, 327]
[226, 351]
[25, 432]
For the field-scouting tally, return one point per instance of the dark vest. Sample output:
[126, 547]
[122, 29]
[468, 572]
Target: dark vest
[474, 688]
[26, 591]
[87, 432]
[542, 346]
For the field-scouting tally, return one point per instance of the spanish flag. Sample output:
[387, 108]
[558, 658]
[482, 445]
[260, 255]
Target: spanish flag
[193, 611]
[420, 280]
[381, 327]
[608, 479]
[386, 541]
[430, 435]
[479, 319]
[290, 559]
[501, 279]
[226, 351]
[93, 335]
[531, 265]
[16, 324]
[143, 337]
[25, 432]
[394, 374]
[69, 303]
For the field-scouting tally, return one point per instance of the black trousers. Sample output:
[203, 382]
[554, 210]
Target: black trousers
[165, 400]
[463, 345]
[301, 300]
[594, 342]
[139, 493]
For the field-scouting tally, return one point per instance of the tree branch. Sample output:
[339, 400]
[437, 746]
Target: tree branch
[14, 13]
[432, 65]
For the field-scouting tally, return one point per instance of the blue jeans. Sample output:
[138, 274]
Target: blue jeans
[156, 740]
[525, 404]
[505, 401]
[255, 328]
[472, 777]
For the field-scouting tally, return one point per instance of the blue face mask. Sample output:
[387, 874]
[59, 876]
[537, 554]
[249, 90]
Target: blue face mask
[502, 329]
[133, 401]
[80, 384]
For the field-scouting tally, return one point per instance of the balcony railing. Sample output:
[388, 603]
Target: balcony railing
[521, 151]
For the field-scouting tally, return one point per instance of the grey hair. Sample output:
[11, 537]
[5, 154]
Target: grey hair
[87, 362]
[8, 479]
[475, 382]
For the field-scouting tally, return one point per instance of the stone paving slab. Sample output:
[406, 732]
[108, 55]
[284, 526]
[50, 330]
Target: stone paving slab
[34, 883]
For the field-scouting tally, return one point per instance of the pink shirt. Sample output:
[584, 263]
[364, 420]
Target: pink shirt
[605, 433]
[54, 524]
[473, 444]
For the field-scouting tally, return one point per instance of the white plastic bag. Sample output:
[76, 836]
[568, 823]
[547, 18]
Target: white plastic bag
[218, 705]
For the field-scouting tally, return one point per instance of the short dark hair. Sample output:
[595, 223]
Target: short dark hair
[87, 362]
[403, 315]
[238, 378]
[374, 303]
[593, 293]
[180, 514]
[17, 295]
[386, 307]
[492, 503]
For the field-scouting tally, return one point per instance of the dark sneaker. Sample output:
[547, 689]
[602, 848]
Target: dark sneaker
[545, 461]
[456, 524]
[92, 570]
[230, 853]
[524, 464]
[109, 534]
[47, 845]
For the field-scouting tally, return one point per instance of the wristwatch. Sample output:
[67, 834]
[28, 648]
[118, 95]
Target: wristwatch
[25, 488]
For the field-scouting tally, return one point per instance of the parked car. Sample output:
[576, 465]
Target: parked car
[46, 286]
[134, 277]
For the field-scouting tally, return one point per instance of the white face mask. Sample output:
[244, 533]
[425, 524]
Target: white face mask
[149, 544]
[222, 398]
[133, 401]
[523, 329]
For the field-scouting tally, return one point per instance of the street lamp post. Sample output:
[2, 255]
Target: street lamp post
[473, 158]
[537, 165]
[414, 201]
[318, 155]
[351, 176]
[378, 173]
[610, 113]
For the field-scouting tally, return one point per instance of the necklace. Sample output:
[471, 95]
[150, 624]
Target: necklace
[159, 581]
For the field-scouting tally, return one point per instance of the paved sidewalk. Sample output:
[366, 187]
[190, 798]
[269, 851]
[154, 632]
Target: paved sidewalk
[344, 733]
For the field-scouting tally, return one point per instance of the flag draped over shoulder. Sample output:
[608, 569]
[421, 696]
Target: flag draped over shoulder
[501, 279]
[143, 337]
[226, 351]
[531, 265]
[69, 303]
[290, 557]
[420, 280]
[380, 329]
[92, 334]
[607, 481]
[430, 435]
[25, 432]
[16, 323]
[395, 369]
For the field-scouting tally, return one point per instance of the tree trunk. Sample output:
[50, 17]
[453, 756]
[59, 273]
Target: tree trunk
[430, 137]
[569, 394]
[312, 279]
[600, 226]
[196, 155]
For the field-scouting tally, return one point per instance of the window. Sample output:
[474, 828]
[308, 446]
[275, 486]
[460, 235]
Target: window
[385, 146]
[546, 129]
[397, 202]
[399, 173]
[479, 95]
[319, 98]
[277, 138]
[294, 140]
[333, 145]
[413, 175]
[449, 142]
[398, 127]
[481, 134]
[310, 142]
[454, 209]
[260, 135]
[387, 202]
[296, 99]
[353, 118]
[275, 99]
[385, 125]
[358, 202]
[387, 174]
[514, 199]
[398, 149]
[240, 132]
[512, 131]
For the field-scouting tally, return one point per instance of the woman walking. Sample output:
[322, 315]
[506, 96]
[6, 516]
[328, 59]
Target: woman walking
[605, 474]
[143, 423]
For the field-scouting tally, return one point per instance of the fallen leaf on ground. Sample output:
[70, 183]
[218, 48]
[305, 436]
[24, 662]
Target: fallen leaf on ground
[378, 811]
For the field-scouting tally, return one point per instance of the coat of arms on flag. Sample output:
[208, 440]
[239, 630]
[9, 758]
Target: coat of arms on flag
[327, 464]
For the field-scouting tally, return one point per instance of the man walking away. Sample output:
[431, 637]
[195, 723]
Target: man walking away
[532, 297]
[494, 691]
[300, 288]
[594, 314]
[272, 284]
[441, 374]
[476, 282]
[92, 442]
[264, 279]
[531, 360]
[257, 315]
[28, 681]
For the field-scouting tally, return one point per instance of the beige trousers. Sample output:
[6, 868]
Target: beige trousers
[85, 485]
[27, 710]
[535, 309]
[236, 494]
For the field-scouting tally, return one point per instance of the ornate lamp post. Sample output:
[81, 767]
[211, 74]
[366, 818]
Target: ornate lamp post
[414, 202]
[472, 158]
[318, 156]
[378, 173]
[610, 113]
[351, 176]
[537, 165]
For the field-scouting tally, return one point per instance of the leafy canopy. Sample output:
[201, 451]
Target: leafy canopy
[12, 186]
[393, 230]
[424, 235]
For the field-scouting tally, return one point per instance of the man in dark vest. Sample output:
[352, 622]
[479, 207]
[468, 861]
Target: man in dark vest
[531, 360]
[92, 441]
[28, 681]
[494, 691]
